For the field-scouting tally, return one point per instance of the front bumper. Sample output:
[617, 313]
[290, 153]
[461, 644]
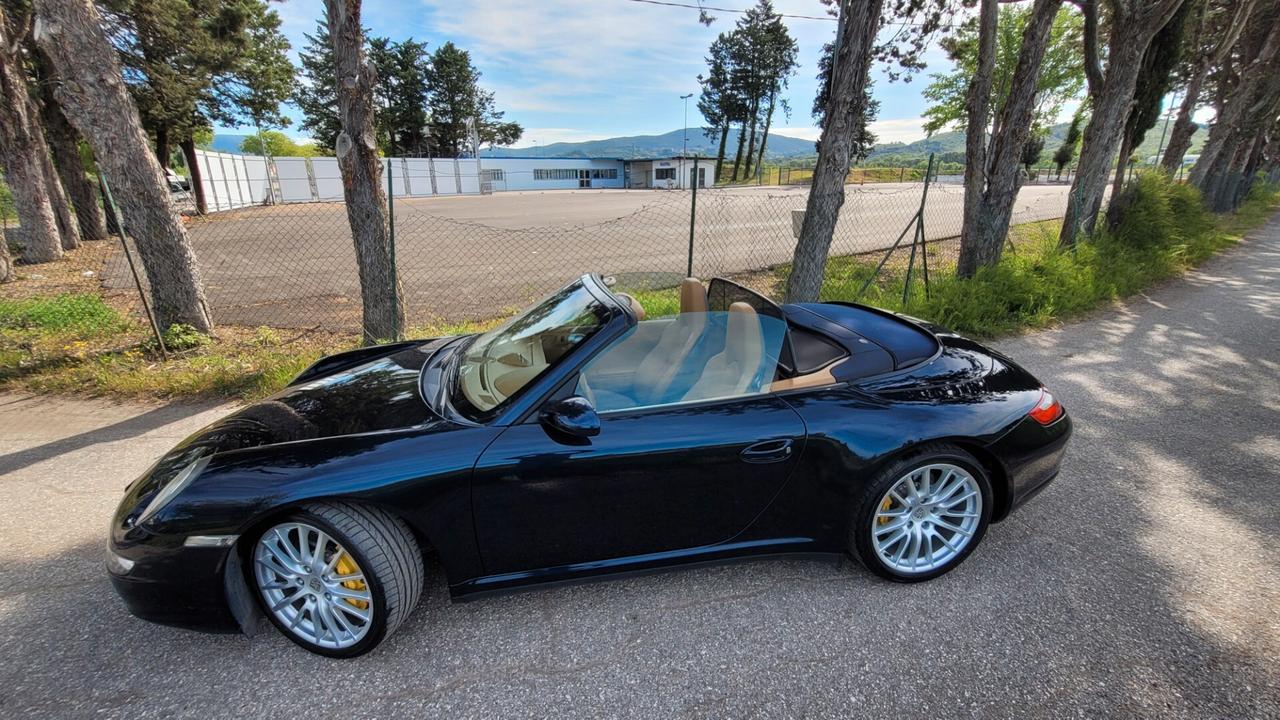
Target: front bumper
[167, 583]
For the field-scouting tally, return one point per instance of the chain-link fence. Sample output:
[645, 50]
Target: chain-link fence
[481, 256]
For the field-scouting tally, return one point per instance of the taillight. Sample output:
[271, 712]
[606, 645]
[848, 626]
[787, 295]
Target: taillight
[1047, 410]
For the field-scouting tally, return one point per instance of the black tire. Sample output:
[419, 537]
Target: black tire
[386, 551]
[866, 502]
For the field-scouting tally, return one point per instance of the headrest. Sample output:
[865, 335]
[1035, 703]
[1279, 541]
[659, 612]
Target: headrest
[744, 340]
[636, 307]
[693, 297]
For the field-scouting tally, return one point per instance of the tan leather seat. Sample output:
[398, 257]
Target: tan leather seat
[663, 365]
[693, 297]
[733, 371]
[667, 362]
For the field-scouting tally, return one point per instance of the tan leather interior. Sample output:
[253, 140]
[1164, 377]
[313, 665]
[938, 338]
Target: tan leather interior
[636, 307]
[660, 368]
[693, 297]
[731, 372]
[817, 378]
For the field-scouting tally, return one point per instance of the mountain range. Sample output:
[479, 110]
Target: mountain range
[649, 146]
[780, 147]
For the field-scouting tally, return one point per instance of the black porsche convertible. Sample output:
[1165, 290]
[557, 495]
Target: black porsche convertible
[580, 439]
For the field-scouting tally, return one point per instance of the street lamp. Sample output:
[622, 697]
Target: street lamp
[684, 148]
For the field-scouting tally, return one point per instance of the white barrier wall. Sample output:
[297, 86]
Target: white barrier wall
[234, 181]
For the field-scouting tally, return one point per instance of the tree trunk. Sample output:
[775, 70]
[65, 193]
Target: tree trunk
[6, 262]
[20, 153]
[65, 148]
[845, 112]
[764, 137]
[724, 138]
[1183, 126]
[188, 146]
[983, 243]
[1122, 164]
[113, 227]
[751, 143]
[93, 95]
[1112, 102]
[163, 152]
[357, 151]
[974, 252]
[737, 160]
[68, 228]
[1248, 109]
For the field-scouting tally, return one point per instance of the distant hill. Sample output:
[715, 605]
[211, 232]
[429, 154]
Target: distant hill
[664, 145]
[953, 143]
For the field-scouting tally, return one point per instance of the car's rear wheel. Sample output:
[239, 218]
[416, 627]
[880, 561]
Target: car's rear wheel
[921, 516]
[337, 578]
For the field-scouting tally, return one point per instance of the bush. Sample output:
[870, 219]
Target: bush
[1162, 229]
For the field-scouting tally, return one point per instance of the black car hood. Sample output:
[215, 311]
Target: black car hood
[382, 394]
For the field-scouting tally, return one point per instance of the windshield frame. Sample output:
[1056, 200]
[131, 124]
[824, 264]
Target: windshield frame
[614, 318]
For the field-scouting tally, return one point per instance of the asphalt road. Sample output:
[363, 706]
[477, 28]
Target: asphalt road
[1144, 582]
[460, 257]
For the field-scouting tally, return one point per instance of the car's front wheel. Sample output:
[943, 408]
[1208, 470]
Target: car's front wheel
[337, 578]
[922, 515]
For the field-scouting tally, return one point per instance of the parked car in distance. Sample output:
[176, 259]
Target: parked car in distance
[580, 439]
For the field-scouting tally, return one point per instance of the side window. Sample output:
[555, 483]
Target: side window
[691, 357]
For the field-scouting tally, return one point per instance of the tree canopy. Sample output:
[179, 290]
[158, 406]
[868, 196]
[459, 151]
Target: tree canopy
[1061, 79]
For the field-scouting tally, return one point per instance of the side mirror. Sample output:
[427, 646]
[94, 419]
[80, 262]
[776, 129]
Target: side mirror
[574, 416]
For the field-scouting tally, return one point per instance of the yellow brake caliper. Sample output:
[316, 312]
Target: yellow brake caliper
[347, 565]
[884, 507]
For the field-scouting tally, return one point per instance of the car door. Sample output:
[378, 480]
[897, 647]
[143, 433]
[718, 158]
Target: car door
[653, 480]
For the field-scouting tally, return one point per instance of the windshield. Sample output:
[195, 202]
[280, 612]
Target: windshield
[500, 363]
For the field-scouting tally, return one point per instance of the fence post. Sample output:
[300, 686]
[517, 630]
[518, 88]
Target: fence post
[137, 282]
[391, 244]
[693, 217]
[918, 239]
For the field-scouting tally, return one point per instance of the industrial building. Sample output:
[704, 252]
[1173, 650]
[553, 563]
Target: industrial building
[673, 173]
[231, 181]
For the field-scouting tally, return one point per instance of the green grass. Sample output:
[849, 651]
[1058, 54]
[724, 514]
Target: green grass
[1165, 231]
[83, 313]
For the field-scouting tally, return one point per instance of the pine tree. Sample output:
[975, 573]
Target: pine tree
[456, 98]
[401, 95]
[317, 95]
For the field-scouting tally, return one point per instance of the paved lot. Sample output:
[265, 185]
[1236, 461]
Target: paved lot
[460, 257]
[1144, 583]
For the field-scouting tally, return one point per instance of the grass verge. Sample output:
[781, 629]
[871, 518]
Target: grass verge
[1165, 231]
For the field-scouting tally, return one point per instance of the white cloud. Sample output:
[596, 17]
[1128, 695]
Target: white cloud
[898, 130]
[546, 136]
[797, 131]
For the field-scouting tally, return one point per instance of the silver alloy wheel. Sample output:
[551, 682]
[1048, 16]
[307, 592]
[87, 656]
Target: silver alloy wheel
[313, 586]
[926, 519]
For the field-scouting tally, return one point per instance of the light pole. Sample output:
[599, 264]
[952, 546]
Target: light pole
[684, 149]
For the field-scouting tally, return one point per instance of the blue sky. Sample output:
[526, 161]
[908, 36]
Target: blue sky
[571, 70]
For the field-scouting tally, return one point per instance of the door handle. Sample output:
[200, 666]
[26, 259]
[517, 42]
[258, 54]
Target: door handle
[767, 451]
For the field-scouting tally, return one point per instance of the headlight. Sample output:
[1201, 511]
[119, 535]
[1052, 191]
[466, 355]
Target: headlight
[172, 488]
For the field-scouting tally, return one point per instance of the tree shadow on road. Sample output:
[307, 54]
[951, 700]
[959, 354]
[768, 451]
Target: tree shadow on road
[122, 430]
